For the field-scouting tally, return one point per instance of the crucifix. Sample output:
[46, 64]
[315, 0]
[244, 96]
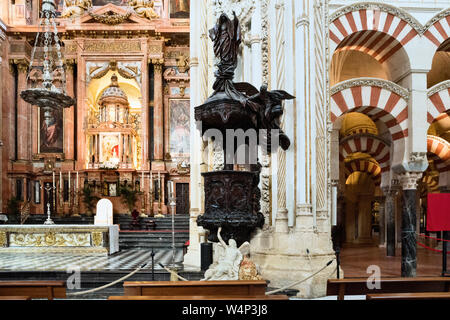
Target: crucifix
[47, 188]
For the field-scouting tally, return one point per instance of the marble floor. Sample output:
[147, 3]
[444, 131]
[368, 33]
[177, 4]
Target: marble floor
[356, 259]
[123, 260]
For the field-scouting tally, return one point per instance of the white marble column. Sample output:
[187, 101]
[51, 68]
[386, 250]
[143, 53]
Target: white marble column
[199, 93]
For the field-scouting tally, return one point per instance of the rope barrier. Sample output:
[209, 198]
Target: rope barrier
[303, 280]
[106, 285]
[173, 272]
[429, 248]
[425, 236]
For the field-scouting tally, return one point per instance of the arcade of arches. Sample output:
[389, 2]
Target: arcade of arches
[389, 108]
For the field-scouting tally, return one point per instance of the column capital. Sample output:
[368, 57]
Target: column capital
[157, 63]
[70, 63]
[408, 180]
[22, 64]
[302, 20]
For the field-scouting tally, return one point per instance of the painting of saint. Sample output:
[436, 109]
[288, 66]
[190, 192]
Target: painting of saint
[179, 127]
[105, 2]
[109, 148]
[179, 8]
[51, 131]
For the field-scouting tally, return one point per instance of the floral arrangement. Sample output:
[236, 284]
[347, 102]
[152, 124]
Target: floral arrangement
[110, 165]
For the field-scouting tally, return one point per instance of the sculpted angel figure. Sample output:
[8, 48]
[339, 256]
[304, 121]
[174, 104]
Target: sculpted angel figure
[144, 8]
[75, 7]
[229, 261]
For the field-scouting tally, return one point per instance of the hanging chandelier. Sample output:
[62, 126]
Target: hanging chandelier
[48, 95]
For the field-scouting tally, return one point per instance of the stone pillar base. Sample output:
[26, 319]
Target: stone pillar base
[282, 270]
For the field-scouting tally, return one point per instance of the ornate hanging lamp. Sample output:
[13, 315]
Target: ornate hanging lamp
[48, 95]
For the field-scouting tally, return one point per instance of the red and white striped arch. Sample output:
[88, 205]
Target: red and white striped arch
[438, 101]
[377, 44]
[439, 31]
[438, 146]
[440, 152]
[369, 144]
[363, 165]
[377, 103]
[391, 32]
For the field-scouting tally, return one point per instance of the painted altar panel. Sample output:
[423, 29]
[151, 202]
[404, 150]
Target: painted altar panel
[179, 127]
[51, 132]
[179, 8]
[109, 147]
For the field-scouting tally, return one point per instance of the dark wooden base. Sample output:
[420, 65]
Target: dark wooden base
[34, 289]
[358, 286]
[211, 297]
[195, 288]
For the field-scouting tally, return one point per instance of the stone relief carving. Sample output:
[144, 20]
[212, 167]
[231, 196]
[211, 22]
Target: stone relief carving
[75, 8]
[110, 18]
[128, 70]
[439, 87]
[408, 180]
[384, 84]
[444, 13]
[144, 8]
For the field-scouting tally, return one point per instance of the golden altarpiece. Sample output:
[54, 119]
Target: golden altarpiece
[128, 68]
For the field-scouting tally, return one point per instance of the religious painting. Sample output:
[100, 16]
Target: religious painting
[109, 147]
[50, 130]
[105, 2]
[179, 127]
[112, 189]
[179, 8]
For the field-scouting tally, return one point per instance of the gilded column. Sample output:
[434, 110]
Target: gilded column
[158, 127]
[23, 114]
[408, 181]
[69, 114]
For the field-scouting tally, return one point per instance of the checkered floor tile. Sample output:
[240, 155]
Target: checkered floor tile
[123, 260]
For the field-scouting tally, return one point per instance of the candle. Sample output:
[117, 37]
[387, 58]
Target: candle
[60, 180]
[150, 181]
[142, 184]
[77, 180]
[159, 183]
[69, 181]
[171, 188]
[53, 178]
